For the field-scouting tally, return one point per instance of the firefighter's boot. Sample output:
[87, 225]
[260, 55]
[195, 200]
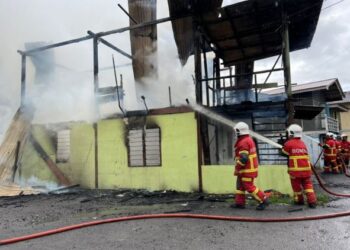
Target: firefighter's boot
[263, 205]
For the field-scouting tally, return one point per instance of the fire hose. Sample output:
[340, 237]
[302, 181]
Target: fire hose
[186, 216]
[222, 120]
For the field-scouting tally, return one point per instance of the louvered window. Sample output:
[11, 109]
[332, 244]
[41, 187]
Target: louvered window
[144, 147]
[63, 146]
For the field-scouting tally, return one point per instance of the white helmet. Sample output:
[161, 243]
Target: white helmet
[344, 135]
[241, 128]
[329, 134]
[295, 130]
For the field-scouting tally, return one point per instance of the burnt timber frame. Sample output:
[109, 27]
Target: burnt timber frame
[201, 38]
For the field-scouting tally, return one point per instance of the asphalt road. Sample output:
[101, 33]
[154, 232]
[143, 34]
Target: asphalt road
[45, 212]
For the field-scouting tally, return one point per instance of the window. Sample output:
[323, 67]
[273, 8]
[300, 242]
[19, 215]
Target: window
[63, 146]
[144, 148]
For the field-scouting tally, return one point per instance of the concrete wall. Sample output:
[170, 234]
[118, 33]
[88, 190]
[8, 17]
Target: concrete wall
[79, 169]
[179, 169]
[220, 179]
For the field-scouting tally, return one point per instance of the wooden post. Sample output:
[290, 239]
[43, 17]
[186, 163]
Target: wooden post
[96, 69]
[286, 60]
[218, 81]
[206, 74]
[96, 153]
[287, 72]
[23, 79]
[198, 66]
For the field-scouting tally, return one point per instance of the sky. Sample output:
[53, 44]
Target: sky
[24, 21]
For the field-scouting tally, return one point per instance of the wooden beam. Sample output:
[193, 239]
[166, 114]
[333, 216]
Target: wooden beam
[96, 153]
[23, 79]
[108, 44]
[95, 63]
[61, 178]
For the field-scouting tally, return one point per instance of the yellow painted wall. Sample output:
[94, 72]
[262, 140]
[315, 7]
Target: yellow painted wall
[179, 170]
[220, 179]
[345, 122]
[79, 169]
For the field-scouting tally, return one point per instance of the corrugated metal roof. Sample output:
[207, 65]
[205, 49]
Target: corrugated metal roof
[302, 88]
[183, 28]
[251, 30]
[333, 87]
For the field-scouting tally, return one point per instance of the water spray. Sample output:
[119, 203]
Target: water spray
[223, 120]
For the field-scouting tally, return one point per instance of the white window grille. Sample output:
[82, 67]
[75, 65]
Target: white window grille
[63, 146]
[144, 147]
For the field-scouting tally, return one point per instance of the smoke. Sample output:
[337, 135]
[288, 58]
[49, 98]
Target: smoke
[36, 182]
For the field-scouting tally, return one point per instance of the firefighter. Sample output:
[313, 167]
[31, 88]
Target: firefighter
[246, 168]
[338, 146]
[299, 167]
[345, 145]
[330, 155]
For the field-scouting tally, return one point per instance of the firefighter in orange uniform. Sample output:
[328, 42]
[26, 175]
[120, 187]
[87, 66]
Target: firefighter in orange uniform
[299, 166]
[338, 146]
[330, 155]
[246, 168]
[345, 145]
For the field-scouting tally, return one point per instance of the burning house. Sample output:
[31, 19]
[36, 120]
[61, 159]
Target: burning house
[177, 147]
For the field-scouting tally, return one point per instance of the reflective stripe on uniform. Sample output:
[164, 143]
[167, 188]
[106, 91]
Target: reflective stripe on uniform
[240, 192]
[299, 169]
[308, 190]
[255, 194]
[248, 171]
[243, 152]
[247, 179]
[295, 159]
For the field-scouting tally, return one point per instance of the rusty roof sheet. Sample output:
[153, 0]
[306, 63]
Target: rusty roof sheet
[183, 28]
[251, 30]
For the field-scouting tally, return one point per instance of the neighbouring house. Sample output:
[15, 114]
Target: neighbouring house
[340, 110]
[318, 107]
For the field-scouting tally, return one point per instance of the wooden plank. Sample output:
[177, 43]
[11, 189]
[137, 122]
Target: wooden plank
[135, 144]
[135, 132]
[152, 143]
[153, 157]
[152, 139]
[136, 163]
[136, 157]
[153, 147]
[62, 179]
[152, 130]
[15, 190]
[17, 132]
[136, 148]
[152, 163]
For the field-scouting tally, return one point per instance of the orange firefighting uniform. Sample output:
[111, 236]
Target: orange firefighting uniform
[339, 159]
[248, 171]
[299, 169]
[345, 145]
[330, 156]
